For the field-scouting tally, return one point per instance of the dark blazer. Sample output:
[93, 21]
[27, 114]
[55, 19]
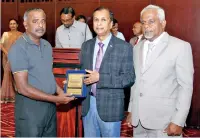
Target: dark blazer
[116, 72]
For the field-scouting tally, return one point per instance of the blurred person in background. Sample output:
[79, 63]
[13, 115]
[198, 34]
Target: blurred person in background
[8, 38]
[81, 18]
[115, 31]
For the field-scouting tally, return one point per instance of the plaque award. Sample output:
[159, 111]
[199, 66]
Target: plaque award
[75, 85]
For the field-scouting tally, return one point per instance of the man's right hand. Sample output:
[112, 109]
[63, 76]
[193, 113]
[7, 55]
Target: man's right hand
[129, 120]
[64, 98]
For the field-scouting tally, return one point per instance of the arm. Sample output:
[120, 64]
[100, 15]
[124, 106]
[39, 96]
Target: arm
[131, 99]
[3, 49]
[184, 71]
[21, 79]
[130, 106]
[129, 117]
[59, 90]
[19, 65]
[5, 34]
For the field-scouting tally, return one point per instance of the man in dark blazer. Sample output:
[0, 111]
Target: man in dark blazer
[103, 108]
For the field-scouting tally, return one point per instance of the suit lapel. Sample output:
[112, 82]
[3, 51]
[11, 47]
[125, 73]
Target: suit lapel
[92, 45]
[159, 49]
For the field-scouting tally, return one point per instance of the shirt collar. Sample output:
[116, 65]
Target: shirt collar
[74, 25]
[106, 41]
[28, 40]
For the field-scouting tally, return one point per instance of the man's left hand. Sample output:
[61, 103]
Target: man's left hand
[91, 77]
[173, 130]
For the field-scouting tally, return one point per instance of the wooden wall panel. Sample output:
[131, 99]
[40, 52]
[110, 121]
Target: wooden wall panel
[8, 11]
[126, 12]
[183, 22]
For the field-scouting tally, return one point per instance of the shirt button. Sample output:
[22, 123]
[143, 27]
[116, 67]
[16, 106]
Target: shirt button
[141, 94]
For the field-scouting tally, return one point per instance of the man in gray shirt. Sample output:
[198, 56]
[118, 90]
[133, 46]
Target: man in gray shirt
[31, 63]
[72, 33]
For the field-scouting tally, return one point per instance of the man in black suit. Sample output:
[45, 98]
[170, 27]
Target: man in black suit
[108, 61]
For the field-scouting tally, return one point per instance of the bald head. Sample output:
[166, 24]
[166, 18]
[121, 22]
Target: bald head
[137, 29]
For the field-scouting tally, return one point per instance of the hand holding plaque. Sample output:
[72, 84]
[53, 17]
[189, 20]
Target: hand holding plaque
[75, 85]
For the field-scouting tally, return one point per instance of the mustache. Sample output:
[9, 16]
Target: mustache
[147, 31]
[39, 30]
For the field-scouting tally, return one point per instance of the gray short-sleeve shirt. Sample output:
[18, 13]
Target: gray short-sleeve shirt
[25, 55]
[74, 36]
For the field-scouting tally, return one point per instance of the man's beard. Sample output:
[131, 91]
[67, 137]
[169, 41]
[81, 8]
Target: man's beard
[148, 34]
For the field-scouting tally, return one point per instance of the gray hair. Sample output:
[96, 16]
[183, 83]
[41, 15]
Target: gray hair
[30, 10]
[160, 11]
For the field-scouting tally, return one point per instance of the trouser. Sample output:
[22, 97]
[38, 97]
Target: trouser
[34, 118]
[95, 127]
[140, 131]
